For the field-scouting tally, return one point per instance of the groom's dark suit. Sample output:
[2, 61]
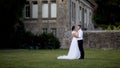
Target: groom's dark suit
[80, 43]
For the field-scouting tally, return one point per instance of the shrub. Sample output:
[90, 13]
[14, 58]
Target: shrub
[112, 27]
[24, 39]
[108, 28]
[49, 41]
[44, 41]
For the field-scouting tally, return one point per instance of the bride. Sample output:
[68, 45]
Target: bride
[74, 52]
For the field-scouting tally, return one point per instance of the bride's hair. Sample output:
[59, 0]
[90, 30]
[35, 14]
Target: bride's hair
[73, 27]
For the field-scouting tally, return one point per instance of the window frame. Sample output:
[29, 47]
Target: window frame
[27, 12]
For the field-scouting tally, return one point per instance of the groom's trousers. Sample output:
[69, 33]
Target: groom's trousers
[80, 45]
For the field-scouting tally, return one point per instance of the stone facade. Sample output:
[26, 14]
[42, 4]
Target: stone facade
[102, 39]
[57, 16]
[97, 40]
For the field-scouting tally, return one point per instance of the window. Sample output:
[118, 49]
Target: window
[49, 9]
[80, 13]
[85, 18]
[82, 17]
[73, 11]
[44, 30]
[27, 10]
[53, 9]
[45, 9]
[90, 17]
[34, 9]
[53, 30]
[80, 7]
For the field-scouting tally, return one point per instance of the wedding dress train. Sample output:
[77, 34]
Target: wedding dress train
[74, 52]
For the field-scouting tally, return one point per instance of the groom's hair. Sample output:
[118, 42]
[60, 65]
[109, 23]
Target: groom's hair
[79, 26]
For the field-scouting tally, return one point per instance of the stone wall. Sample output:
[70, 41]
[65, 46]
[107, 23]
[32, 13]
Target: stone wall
[97, 40]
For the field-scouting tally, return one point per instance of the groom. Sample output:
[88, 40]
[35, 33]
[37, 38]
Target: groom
[80, 41]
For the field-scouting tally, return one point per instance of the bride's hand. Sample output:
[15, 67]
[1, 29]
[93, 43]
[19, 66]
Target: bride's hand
[75, 35]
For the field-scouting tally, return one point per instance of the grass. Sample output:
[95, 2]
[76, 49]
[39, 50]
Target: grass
[47, 59]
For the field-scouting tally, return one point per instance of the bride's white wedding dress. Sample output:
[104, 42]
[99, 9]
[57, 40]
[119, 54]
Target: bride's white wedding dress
[74, 52]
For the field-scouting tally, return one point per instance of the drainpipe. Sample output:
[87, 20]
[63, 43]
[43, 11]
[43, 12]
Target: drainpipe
[70, 13]
[77, 13]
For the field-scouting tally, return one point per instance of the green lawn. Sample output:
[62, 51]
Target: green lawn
[47, 59]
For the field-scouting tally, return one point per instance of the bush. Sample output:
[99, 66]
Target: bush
[23, 39]
[112, 27]
[49, 41]
[43, 41]
[108, 28]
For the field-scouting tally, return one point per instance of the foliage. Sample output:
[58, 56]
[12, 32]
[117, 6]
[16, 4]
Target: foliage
[109, 28]
[108, 12]
[49, 41]
[10, 13]
[112, 27]
[44, 41]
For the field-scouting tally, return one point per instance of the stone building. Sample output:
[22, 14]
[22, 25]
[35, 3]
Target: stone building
[58, 16]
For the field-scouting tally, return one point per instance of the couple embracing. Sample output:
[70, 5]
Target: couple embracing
[76, 50]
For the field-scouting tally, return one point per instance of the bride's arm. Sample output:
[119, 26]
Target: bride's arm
[75, 35]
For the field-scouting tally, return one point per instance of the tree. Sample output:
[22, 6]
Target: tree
[108, 12]
[10, 12]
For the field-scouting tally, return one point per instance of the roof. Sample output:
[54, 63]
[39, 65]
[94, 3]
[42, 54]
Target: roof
[93, 3]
